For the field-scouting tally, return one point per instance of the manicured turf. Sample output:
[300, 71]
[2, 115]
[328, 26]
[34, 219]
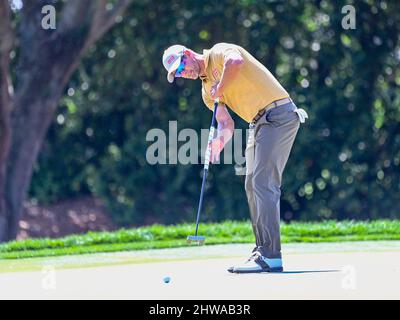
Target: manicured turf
[159, 236]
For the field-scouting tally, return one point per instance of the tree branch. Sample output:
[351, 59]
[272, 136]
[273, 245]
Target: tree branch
[75, 13]
[104, 18]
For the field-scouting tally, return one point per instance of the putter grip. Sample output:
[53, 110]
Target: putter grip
[208, 150]
[211, 135]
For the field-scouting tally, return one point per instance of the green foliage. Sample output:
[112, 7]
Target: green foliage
[345, 161]
[159, 236]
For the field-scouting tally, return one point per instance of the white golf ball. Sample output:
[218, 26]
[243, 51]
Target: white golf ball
[167, 279]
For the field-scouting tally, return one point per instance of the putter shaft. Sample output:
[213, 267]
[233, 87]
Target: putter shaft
[206, 165]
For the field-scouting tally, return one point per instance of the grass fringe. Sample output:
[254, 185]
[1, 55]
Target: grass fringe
[161, 236]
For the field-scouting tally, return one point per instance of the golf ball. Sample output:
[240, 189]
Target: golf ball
[167, 279]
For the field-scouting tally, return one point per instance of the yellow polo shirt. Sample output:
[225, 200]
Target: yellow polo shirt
[252, 90]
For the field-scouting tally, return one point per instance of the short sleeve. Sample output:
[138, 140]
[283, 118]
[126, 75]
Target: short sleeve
[232, 52]
[222, 51]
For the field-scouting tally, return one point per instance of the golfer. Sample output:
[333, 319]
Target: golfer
[248, 88]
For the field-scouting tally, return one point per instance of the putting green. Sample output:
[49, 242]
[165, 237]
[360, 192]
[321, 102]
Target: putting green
[351, 270]
[186, 253]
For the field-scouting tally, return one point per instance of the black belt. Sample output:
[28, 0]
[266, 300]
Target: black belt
[270, 106]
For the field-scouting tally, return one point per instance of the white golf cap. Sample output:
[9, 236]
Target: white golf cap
[172, 59]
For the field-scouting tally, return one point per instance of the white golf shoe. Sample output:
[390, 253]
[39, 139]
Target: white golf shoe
[257, 263]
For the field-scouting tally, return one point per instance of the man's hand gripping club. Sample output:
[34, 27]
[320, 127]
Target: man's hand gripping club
[224, 132]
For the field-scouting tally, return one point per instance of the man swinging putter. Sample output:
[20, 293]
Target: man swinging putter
[248, 88]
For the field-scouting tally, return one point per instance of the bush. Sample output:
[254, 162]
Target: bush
[345, 161]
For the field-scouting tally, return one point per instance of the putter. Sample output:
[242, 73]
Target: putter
[196, 239]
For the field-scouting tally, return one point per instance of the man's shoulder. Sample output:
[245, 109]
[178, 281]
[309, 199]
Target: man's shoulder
[223, 46]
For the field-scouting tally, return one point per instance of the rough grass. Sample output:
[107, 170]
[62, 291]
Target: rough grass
[160, 236]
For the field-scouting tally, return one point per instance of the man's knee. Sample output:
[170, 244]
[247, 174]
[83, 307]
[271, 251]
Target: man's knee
[270, 190]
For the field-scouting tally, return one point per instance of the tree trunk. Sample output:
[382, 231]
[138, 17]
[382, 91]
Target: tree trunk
[41, 86]
[47, 60]
[6, 43]
[5, 141]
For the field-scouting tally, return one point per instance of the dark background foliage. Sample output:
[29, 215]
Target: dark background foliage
[345, 161]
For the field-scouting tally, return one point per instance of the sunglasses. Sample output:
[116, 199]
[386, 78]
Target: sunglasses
[181, 68]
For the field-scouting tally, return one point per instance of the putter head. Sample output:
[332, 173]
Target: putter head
[199, 240]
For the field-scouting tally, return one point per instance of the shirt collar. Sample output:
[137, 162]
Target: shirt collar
[206, 54]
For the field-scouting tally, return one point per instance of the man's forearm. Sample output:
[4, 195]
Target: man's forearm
[225, 131]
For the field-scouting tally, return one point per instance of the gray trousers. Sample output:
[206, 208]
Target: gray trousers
[269, 143]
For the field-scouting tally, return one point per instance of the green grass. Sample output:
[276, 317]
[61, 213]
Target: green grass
[159, 236]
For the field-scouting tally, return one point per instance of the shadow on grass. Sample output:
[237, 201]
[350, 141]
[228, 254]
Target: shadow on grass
[290, 272]
[308, 271]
